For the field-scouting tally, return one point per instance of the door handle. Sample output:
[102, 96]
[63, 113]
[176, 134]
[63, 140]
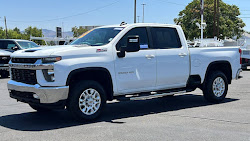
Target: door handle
[183, 54]
[150, 56]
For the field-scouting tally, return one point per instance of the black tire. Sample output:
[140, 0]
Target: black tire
[76, 92]
[39, 108]
[5, 74]
[208, 92]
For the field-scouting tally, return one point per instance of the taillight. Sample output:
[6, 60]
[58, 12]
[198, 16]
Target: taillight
[240, 51]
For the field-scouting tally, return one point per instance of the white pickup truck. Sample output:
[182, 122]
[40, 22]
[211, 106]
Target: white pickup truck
[124, 62]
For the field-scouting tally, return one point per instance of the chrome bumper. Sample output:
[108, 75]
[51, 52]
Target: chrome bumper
[45, 94]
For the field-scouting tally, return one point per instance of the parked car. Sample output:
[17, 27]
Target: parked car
[8, 46]
[245, 58]
[111, 62]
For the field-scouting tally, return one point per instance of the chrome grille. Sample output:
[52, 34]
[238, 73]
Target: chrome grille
[24, 76]
[24, 60]
[4, 59]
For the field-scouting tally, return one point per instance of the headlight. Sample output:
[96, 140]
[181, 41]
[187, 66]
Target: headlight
[51, 59]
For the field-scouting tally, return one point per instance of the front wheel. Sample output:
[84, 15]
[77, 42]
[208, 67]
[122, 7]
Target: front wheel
[215, 87]
[86, 100]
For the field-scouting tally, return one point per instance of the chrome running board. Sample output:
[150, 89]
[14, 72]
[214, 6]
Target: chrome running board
[155, 95]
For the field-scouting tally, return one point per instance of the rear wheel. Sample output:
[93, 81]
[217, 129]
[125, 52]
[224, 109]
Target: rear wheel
[215, 87]
[86, 100]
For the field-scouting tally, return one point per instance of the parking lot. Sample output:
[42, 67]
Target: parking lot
[182, 117]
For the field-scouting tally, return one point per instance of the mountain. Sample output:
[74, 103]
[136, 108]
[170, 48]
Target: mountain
[51, 33]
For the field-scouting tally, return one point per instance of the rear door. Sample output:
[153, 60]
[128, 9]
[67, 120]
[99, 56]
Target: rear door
[172, 58]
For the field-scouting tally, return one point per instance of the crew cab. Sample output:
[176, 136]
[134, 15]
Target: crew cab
[7, 46]
[123, 62]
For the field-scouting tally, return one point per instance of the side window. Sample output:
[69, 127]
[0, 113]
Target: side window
[143, 37]
[3, 44]
[165, 38]
[10, 44]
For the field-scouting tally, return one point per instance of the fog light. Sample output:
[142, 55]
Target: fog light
[36, 96]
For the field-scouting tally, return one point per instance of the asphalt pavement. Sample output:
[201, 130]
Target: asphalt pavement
[182, 117]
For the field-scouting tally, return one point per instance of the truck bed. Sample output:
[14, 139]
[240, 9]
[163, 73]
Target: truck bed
[201, 57]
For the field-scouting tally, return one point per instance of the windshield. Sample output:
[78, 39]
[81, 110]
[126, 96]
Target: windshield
[26, 45]
[97, 37]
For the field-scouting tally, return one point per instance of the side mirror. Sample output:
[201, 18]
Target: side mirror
[133, 45]
[15, 48]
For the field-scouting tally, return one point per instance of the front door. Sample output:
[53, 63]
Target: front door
[137, 70]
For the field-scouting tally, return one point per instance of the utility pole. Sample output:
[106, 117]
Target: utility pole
[6, 30]
[138, 19]
[214, 24]
[143, 12]
[202, 23]
[135, 12]
[218, 18]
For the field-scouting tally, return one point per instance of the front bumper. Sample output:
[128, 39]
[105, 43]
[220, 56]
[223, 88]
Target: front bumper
[45, 94]
[4, 67]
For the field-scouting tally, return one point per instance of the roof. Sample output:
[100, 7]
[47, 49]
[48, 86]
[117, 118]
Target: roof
[139, 24]
[14, 40]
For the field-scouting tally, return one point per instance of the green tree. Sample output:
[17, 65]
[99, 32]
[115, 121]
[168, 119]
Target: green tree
[35, 32]
[77, 31]
[12, 34]
[2, 33]
[17, 30]
[230, 24]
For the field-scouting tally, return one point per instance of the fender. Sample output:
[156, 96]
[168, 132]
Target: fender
[108, 86]
[210, 67]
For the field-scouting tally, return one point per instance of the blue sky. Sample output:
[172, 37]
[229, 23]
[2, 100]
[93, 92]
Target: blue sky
[48, 14]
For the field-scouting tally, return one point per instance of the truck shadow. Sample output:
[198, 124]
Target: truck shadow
[34, 121]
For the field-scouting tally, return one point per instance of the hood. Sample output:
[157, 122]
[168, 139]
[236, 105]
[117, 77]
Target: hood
[39, 52]
[67, 51]
[5, 52]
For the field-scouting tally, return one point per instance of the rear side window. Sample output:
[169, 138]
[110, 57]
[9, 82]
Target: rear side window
[165, 38]
[143, 37]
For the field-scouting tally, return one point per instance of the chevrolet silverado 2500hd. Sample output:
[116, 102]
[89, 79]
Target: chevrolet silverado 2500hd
[111, 62]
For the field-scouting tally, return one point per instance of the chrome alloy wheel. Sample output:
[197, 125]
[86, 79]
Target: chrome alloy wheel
[218, 87]
[89, 101]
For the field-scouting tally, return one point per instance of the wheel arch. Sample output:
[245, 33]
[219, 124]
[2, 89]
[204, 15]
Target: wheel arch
[223, 66]
[99, 74]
